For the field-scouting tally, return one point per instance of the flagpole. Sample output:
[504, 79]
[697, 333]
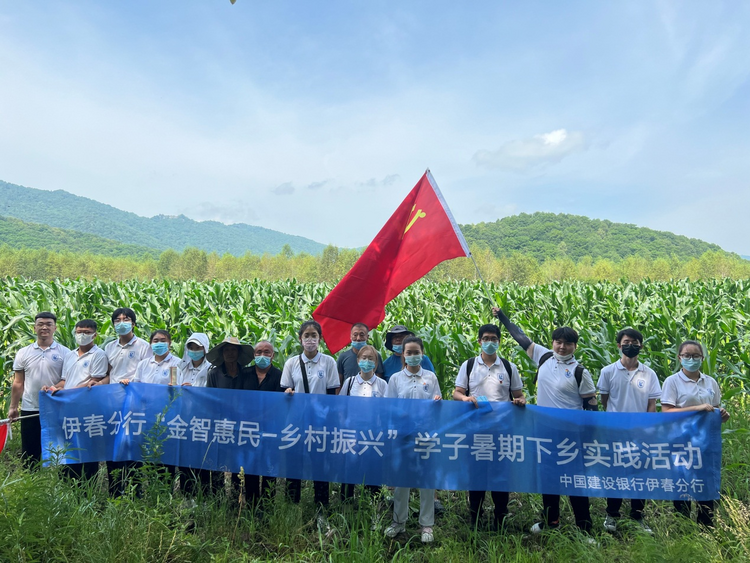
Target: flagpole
[7, 420]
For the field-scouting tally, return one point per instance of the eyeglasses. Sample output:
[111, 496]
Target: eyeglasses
[691, 357]
[44, 325]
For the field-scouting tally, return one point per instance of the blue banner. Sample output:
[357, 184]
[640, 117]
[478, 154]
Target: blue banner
[398, 442]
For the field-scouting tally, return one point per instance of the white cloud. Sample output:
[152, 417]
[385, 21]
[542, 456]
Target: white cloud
[540, 150]
[230, 212]
[284, 189]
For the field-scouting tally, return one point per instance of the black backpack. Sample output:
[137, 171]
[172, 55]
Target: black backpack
[470, 366]
[547, 356]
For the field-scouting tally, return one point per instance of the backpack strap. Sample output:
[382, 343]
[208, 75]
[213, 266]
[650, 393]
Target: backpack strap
[469, 367]
[509, 371]
[578, 371]
[304, 375]
[543, 359]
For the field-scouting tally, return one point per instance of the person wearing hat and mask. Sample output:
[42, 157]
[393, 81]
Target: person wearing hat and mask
[393, 342]
[347, 363]
[228, 360]
[194, 365]
[193, 372]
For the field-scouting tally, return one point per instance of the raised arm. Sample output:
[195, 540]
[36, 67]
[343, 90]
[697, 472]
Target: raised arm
[515, 331]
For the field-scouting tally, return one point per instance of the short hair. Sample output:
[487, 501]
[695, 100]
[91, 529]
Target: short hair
[565, 334]
[46, 315]
[363, 325]
[489, 328]
[87, 323]
[630, 333]
[688, 343]
[273, 348]
[367, 348]
[127, 311]
[308, 324]
[158, 332]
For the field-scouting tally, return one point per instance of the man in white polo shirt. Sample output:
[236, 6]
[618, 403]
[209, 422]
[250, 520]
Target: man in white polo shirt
[35, 366]
[123, 356]
[86, 363]
[562, 383]
[628, 386]
[488, 375]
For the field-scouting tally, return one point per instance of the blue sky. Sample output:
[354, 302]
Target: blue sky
[317, 118]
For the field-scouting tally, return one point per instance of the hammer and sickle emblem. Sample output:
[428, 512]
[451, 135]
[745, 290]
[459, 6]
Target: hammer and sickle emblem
[418, 215]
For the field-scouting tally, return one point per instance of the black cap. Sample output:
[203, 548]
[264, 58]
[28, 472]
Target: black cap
[397, 329]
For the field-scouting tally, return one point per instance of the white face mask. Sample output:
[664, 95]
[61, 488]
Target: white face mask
[561, 358]
[83, 339]
[310, 344]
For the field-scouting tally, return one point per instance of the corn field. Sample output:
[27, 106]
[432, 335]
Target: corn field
[446, 315]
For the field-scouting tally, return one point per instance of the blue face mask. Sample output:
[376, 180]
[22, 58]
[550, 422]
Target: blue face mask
[490, 348]
[123, 328]
[262, 361]
[690, 364]
[366, 366]
[358, 345]
[159, 348]
[195, 355]
[413, 360]
[397, 349]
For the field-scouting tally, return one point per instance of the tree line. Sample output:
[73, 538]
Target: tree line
[333, 263]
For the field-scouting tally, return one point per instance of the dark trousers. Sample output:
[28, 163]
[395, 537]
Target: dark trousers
[500, 498]
[31, 438]
[258, 488]
[705, 510]
[347, 490]
[80, 471]
[580, 506]
[636, 507]
[195, 481]
[120, 474]
[294, 490]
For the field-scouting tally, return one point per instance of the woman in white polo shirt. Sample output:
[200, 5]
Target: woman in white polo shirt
[690, 390]
[156, 369]
[365, 384]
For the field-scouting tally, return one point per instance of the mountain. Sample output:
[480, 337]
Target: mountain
[19, 234]
[64, 210]
[549, 235]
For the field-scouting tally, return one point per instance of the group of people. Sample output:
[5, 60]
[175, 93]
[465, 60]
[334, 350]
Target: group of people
[561, 381]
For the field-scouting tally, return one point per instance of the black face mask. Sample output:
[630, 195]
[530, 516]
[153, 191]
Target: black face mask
[631, 350]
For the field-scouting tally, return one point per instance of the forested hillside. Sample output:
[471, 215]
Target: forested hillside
[546, 236]
[19, 234]
[67, 211]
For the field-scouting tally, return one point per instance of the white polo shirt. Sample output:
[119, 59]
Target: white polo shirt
[406, 385]
[681, 391]
[77, 369]
[492, 381]
[321, 374]
[41, 367]
[557, 386]
[195, 376]
[628, 391]
[123, 360]
[151, 371]
[374, 387]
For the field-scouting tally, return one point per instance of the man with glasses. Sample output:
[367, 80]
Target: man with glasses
[35, 366]
[628, 386]
[496, 379]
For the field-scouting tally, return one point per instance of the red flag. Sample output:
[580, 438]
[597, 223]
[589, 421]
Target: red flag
[4, 431]
[418, 236]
